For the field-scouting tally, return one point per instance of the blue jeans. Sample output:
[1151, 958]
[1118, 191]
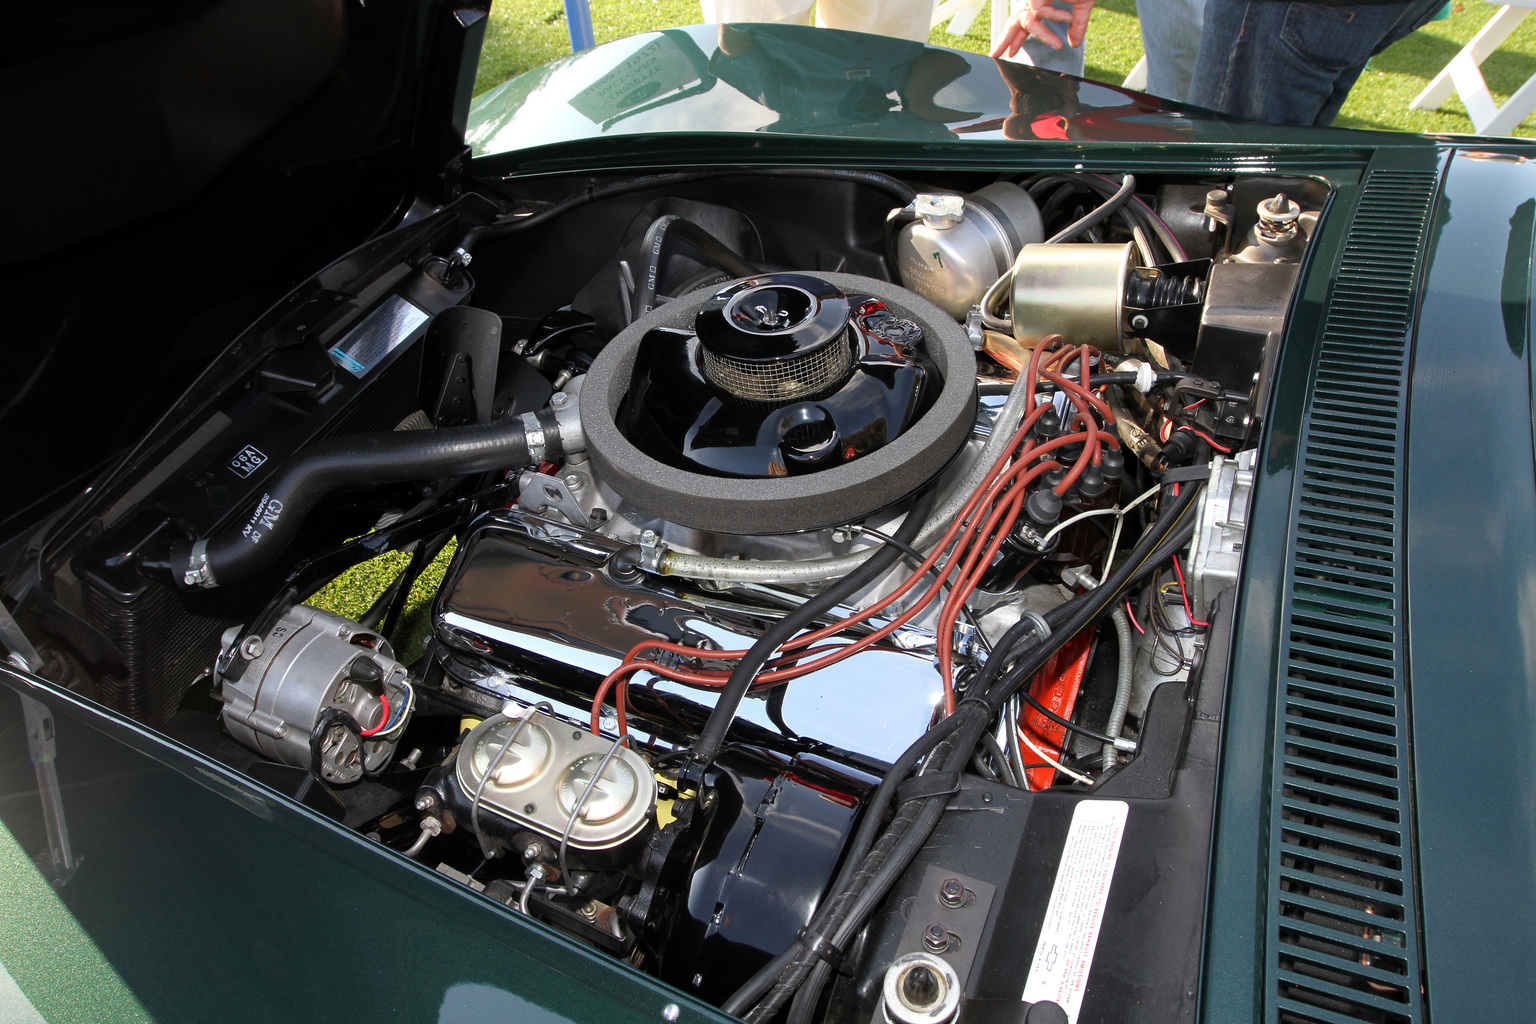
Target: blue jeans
[1170, 33]
[1068, 60]
[1283, 62]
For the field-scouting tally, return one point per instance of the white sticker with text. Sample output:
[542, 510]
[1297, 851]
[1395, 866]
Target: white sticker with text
[1064, 954]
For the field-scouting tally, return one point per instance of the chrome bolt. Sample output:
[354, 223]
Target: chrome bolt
[559, 398]
[573, 481]
[1139, 322]
[251, 648]
[648, 538]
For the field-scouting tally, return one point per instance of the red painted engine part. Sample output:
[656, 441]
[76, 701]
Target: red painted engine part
[1055, 686]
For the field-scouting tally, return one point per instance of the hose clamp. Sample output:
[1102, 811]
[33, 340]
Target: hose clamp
[198, 572]
[533, 430]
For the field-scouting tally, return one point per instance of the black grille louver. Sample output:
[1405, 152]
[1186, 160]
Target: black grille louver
[1343, 934]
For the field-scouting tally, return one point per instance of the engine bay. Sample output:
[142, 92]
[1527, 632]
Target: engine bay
[839, 564]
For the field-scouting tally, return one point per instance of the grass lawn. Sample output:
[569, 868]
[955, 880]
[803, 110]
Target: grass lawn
[527, 33]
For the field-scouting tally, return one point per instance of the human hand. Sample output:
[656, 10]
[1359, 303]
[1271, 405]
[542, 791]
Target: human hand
[1030, 20]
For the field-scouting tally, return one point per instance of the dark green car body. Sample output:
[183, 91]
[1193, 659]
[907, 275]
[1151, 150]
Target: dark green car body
[1387, 603]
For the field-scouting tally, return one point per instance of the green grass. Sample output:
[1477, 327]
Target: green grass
[526, 33]
[352, 593]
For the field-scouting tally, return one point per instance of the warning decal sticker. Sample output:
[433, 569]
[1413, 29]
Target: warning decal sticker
[1064, 954]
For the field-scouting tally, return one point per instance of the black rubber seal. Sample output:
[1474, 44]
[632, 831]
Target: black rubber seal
[838, 495]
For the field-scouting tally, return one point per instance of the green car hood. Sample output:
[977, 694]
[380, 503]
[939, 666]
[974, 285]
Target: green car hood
[791, 80]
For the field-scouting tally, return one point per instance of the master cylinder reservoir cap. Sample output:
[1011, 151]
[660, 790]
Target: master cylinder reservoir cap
[546, 771]
[609, 797]
[523, 761]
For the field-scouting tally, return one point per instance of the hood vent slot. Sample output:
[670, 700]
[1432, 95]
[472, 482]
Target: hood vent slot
[1343, 931]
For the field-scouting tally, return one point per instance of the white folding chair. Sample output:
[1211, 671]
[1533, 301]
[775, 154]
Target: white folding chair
[961, 14]
[1464, 76]
[1137, 79]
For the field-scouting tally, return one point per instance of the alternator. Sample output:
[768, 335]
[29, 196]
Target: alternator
[318, 692]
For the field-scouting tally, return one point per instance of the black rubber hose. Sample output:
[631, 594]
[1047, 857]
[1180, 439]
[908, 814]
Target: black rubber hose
[1097, 215]
[503, 229]
[712, 736]
[654, 248]
[422, 557]
[396, 456]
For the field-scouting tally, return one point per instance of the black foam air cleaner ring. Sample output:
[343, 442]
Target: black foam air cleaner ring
[840, 494]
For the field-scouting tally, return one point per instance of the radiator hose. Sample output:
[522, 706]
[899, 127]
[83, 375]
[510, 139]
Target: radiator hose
[242, 549]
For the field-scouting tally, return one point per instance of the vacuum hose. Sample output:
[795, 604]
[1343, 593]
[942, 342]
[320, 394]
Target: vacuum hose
[243, 549]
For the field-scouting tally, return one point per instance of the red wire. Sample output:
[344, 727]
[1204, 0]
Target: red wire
[1207, 439]
[383, 719]
[1184, 593]
[1129, 611]
[960, 533]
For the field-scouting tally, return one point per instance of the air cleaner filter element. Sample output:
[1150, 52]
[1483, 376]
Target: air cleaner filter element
[777, 339]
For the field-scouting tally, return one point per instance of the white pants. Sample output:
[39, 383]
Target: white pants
[906, 19]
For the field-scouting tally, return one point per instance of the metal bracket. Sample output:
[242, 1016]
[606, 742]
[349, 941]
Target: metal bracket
[60, 862]
[538, 492]
[950, 903]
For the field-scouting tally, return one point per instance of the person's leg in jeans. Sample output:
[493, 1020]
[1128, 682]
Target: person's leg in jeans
[1068, 59]
[1415, 15]
[1293, 63]
[1170, 34]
